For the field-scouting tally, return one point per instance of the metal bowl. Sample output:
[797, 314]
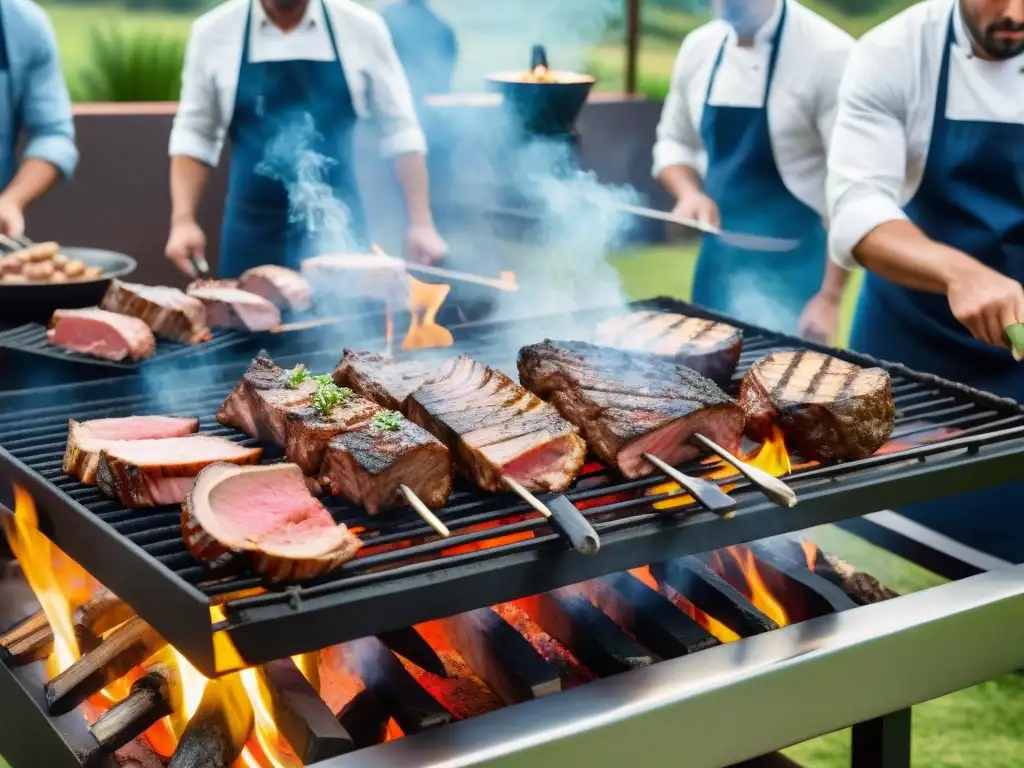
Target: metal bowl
[547, 107]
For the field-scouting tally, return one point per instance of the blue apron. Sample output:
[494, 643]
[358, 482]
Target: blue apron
[971, 198]
[767, 289]
[9, 119]
[292, 125]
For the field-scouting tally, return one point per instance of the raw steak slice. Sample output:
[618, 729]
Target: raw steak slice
[307, 432]
[283, 287]
[496, 428]
[87, 438]
[149, 473]
[258, 403]
[828, 409]
[627, 404]
[237, 310]
[169, 312]
[385, 381]
[359, 276]
[368, 465]
[102, 334]
[708, 347]
[264, 514]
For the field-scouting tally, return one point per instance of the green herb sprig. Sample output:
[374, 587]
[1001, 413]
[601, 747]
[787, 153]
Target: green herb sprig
[329, 395]
[388, 420]
[296, 376]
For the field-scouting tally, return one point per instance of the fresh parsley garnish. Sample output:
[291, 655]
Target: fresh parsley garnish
[296, 376]
[388, 420]
[329, 395]
[323, 380]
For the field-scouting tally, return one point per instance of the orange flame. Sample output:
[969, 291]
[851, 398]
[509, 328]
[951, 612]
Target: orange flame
[810, 552]
[425, 300]
[712, 625]
[749, 581]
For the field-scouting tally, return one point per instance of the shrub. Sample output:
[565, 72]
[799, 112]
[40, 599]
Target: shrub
[137, 66]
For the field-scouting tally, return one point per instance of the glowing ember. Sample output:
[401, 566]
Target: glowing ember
[810, 552]
[497, 541]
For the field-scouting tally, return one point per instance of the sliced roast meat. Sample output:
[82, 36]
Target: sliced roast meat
[828, 409]
[285, 288]
[266, 515]
[307, 431]
[170, 313]
[386, 381]
[87, 438]
[368, 466]
[259, 402]
[237, 309]
[359, 276]
[497, 429]
[707, 346]
[149, 473]
[102, 334]
[627, 405]
[205, 282]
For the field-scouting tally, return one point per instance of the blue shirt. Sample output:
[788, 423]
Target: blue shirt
[33, 95]
[425, 44]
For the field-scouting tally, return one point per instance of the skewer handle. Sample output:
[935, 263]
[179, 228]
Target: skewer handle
[704, 491]
[772, 487]
[569, 520]
[424, 511]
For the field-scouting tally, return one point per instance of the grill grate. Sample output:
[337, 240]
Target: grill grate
[956, 439]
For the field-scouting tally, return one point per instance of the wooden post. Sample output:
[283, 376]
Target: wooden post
[632, 43]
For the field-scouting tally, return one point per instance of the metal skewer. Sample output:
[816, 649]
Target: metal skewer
[423, 511]
[772, 487]
[704, 491]
[574, 525]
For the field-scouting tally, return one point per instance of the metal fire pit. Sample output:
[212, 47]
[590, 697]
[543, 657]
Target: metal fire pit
[140, 555]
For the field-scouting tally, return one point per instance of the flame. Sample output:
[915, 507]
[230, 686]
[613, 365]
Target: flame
[497, 541]
[394, 731]
[748, 581]
[271, 743]
[425, 300]
[810, 552]
[712, 625]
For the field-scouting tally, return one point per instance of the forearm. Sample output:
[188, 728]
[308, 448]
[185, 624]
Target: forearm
[903, 254]
[834, 284]
[33, 179]
[681, 181]
[188, 181]
[411, 170]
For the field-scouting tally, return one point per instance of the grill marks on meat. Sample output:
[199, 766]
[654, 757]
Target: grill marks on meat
[150, 473]
[260, 401]
[264, 515]
[385, 381]
[368, 465]
[828, 409]
[87, 439]
[707, 346]
[496, 428]
[169, 312]
[102, 334]
[283, 287]
[237, 309]
[627, 404]
[307, 432]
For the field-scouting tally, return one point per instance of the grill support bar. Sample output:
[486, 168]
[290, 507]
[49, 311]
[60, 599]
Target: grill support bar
[883, 742]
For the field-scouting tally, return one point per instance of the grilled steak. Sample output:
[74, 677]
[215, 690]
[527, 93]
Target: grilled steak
[708, 347]
[148, 473]
[627, 404]
[496, 428]
[306, 432]
[258, 403]
[169, 312]
[283, 287]
[266, 515]
[237, 309]
[102, 334]
[87, 438]
[205, 282]
[359, 276]
[368, 465]
[828, 409]
[385, 381]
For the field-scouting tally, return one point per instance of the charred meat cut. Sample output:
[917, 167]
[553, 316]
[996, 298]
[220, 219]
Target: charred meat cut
[87, 438]
[236, 309]
[497, 429]
[283, 287]
[205, 282]
[627, 404]
[148, 473]
[307, 431]
[368, 465]
[259, 402]
[267, 515]
[828, 409]
[385, 381]
[359, 276]
[708, 347]
[170, 313]
[102, 334]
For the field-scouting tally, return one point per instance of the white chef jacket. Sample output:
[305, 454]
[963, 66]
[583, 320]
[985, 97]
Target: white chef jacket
[375, 77]
[801, 105]
[886, 109]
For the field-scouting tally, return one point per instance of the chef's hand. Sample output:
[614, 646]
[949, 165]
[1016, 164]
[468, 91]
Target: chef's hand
[185, 242]
[12, 218]
[820, 318]
[424, 245]
[696, 206]
[987, 302]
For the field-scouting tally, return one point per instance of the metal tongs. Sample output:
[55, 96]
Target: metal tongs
[13, 244]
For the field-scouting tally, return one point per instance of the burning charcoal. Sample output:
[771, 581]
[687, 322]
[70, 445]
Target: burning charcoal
[217, 732]
[502, 657]
[864, 588]
[137, 754]
[365, 718]
[409, 643]
[597, 641]
[153, 696]
[648, 616]
[713, 595]
[307, 723]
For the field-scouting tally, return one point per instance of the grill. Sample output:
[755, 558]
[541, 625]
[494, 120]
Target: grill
[953, 438]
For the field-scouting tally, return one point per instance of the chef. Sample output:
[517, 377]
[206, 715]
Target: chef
[33, 99]
[286, 81]
[742, 144]
[926, 191]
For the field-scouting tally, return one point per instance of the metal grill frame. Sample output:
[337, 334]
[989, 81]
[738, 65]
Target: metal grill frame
[355, 602]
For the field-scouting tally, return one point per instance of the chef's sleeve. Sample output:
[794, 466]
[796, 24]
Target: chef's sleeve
[198, 130]
[868, 151]
[678, 139]
[391, 99]
[46, 106]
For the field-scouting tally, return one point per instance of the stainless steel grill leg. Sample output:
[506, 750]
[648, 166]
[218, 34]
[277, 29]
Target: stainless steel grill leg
[883, 742]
